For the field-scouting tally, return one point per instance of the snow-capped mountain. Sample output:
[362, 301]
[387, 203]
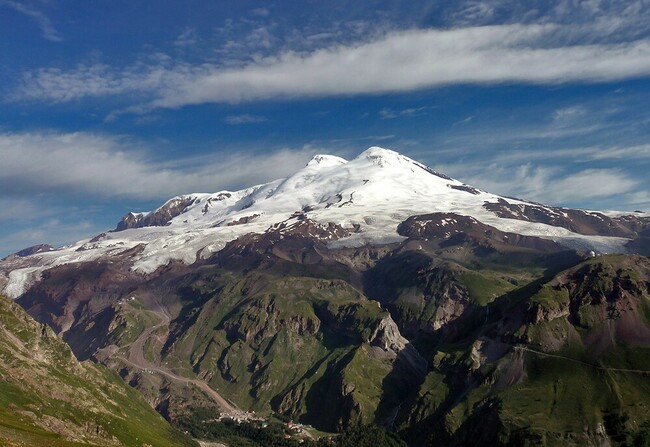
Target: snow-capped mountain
[356, 202]
[360, 291]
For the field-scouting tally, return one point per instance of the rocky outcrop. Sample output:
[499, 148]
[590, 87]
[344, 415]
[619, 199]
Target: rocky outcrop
[451, 304]
[578, 221]
[388, 337]
[455, 229]
[541, 313]
[131, 220]
[34, 249]
[158, 218]
[262, 319]
[243, 220]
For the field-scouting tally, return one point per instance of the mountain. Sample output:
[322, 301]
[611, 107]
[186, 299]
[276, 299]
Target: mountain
[48, 398]
[353, 203]
[369, 291]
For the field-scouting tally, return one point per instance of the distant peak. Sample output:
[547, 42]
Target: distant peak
[383, 157]
[323, 160]
[376, 151]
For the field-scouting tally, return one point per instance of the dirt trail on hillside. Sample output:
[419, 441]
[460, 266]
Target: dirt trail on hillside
[603, 368]
[137, 359]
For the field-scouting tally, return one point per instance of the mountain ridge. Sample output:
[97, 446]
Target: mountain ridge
[369, 196]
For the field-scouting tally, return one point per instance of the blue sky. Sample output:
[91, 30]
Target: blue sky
[112, 106]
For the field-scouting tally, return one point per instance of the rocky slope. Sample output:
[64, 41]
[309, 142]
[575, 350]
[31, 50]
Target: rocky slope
[430, 336]
[563, 364]
[48, 398]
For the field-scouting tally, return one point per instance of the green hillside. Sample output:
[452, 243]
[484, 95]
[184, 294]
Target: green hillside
[49, 399]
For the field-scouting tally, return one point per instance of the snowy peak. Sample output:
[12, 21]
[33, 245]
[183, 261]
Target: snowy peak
[326, 161]
[365, 199]
[329, 180]
[381, 156]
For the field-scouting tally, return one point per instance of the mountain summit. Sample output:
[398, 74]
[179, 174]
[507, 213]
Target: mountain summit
[366, 199]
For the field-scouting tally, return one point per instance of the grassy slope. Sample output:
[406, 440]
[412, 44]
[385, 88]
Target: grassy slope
[287, 344]
[571, 392]
[47, 398]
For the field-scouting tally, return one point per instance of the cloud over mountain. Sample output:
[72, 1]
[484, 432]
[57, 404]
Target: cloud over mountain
[399, 61]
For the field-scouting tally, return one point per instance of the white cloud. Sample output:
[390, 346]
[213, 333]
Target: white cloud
[396, 62]
[413, 60]
[589, 184]
[44, 23]
[573, 154]
[624, 153]
[546, 184]
[474, 12]
[100, 166]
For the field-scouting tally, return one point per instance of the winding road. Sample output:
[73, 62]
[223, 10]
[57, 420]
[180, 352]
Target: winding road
[137, 359]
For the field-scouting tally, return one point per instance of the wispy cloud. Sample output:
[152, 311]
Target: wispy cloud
[396, 62]
[639, 199]
[21, 209]
[569, 114]
[52, 231]
[637, 152]
[412, 60]
[464, 121]
[97, 80]
[261, 12]
[575, 154]
[100, 166]
[187, 38]
[547, 184]
[474, 12]
[387, 114]
[244, 119]
[44, 23]
[364, 138]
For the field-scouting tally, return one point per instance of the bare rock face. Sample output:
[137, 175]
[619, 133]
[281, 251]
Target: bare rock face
[605, 298]
[388, 337]
[466, 188]
[300, 225]
[131, 220]
[34, 249]
[243, 220]
[40, 248]
[158, 218]
[541, 314]
[452, 303]
[578, 221]
[454, 229]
